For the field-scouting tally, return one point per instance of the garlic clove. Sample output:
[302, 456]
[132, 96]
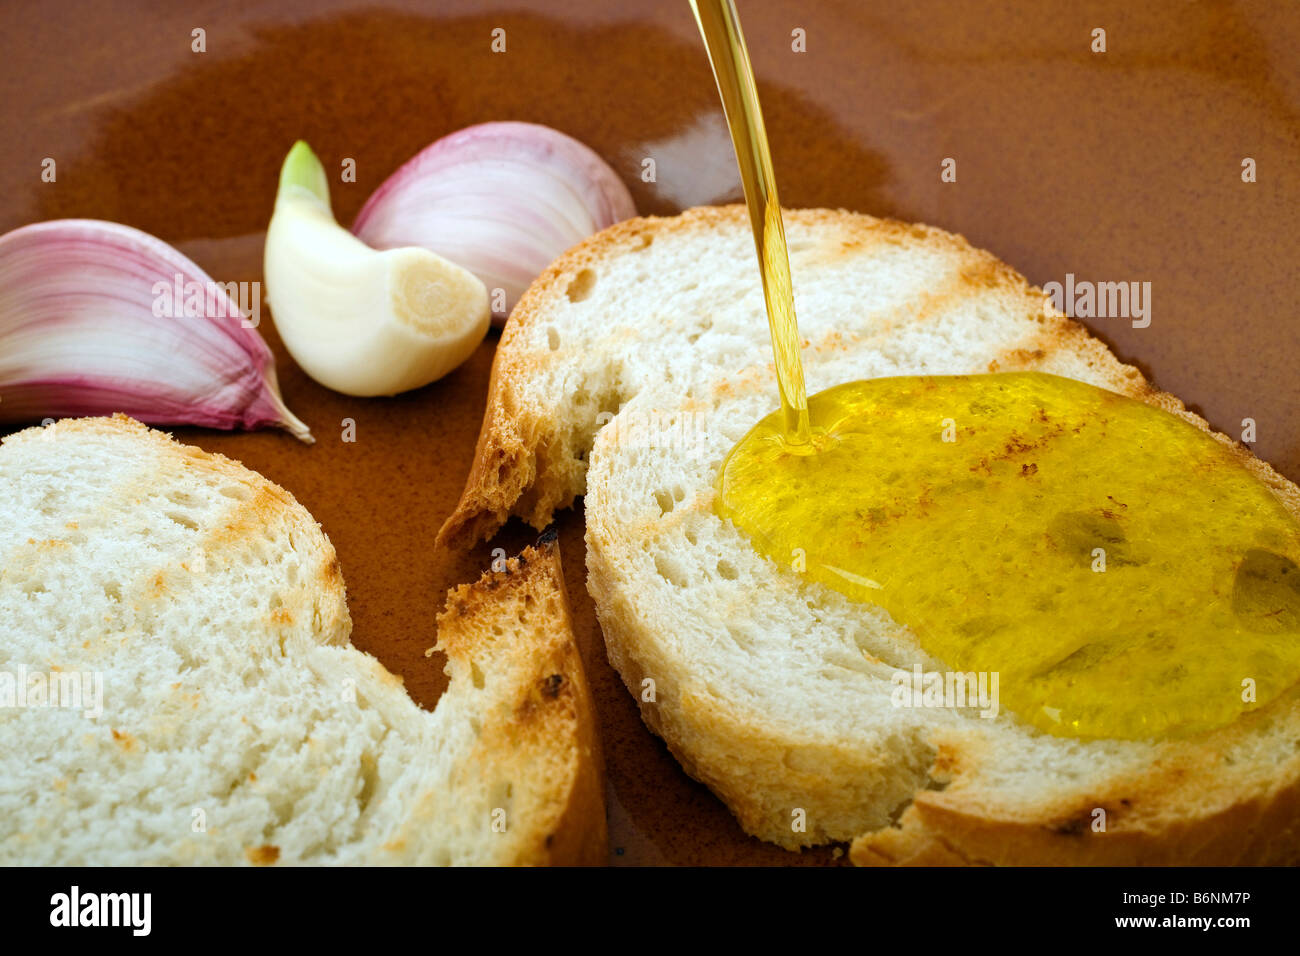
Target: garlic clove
[97, 318]
[361, 321]
[501, 199]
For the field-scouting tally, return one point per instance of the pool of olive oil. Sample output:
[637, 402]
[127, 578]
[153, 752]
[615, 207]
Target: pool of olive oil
[1123, 573]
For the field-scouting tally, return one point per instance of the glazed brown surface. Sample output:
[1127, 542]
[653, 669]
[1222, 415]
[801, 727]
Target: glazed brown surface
[1124, 166]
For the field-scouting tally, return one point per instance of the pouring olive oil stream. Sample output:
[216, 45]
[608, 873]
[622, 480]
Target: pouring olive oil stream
[1121, 570]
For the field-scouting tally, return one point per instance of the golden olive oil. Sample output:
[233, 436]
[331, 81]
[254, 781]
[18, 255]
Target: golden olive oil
[1118, 568]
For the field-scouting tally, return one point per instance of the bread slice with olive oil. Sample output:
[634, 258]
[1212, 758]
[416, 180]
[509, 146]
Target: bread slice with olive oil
[628, 371]
[214, 711]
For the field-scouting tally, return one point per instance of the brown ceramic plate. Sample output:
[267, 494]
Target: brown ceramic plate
[1116, 166]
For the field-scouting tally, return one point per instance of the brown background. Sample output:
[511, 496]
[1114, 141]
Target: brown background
[1119, 167]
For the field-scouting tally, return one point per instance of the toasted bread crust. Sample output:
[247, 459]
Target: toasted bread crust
[550, 717]
[1188, 808]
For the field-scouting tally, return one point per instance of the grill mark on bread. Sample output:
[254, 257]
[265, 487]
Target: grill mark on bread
[1016, 359]
[264, 855]
[331, 573]
[248, 519]
[926, 305]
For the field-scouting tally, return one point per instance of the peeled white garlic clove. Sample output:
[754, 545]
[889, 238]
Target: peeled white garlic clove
[97, 318]
[361, 321]
[501, 199]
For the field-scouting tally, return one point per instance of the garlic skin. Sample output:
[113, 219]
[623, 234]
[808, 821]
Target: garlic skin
[361, 321]
[501, 199]
[90, 325]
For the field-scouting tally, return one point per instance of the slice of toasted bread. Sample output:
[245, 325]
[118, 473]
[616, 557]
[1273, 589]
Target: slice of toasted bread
[203, 704]
[772, 690]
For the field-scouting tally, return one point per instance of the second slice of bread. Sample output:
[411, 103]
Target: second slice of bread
[629, 370]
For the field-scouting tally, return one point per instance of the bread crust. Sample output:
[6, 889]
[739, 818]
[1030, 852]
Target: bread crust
[1188, 807]
[547, 729]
